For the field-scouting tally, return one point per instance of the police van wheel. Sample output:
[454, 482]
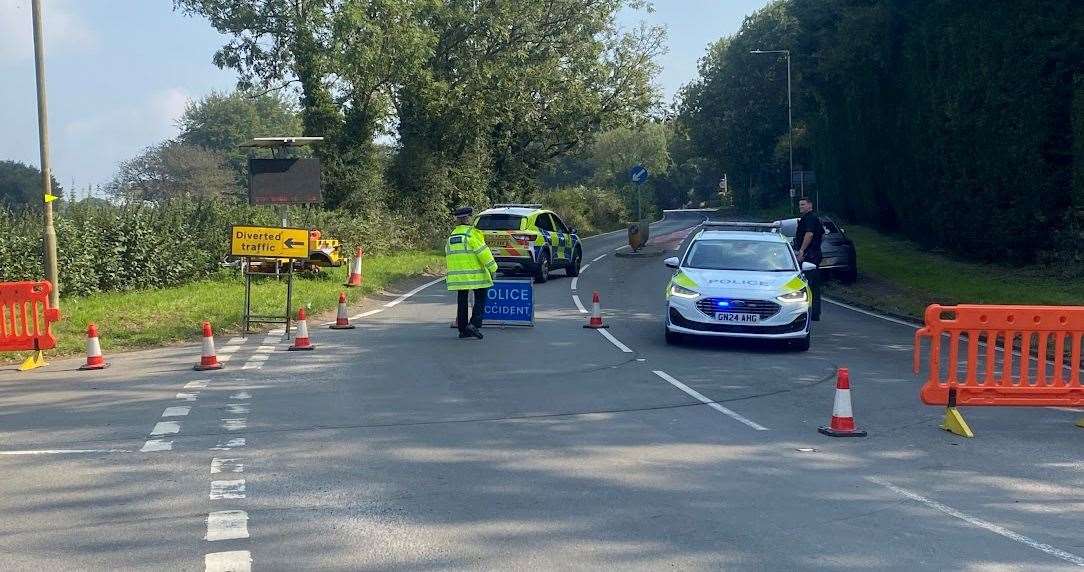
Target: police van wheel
[573, 268]
[543, 272]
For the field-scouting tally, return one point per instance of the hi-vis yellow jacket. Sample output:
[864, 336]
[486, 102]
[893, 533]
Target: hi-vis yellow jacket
[470, 263]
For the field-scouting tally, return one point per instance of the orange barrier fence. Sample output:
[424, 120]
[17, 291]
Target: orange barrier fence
[990, 376]
[25, 316]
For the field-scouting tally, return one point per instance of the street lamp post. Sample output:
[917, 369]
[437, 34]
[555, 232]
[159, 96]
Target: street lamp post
[790, 120]
[46, 172]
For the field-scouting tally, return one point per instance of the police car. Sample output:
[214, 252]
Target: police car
[739, 280]
[528, 238]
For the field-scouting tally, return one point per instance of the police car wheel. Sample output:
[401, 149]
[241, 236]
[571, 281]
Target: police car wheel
[573, 268]
[543, 273]
[801, 345]
[673, 338]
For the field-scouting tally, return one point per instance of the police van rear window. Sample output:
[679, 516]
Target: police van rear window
[499, 222]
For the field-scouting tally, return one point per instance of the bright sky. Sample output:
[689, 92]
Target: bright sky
[118, 74]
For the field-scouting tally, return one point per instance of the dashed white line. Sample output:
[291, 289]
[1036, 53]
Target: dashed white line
[63, 451]
[235, 341]
[166, 428]
[584, 268]
[234, 424]
[264, 350]
[228, 350]
[227, 525]
[227, 489]
[187, 396]
[579, 305]
[155, 445]
[236, 408]
[201, 384]
[178, 411]
[615, 341]
[404, 297]
[983, 524]
[575, 282]
[699, 397]
[597, 258]
[223, 465]
[241, 395]
[260, 357]
[278, 332]
[232, 561]
[228, 444]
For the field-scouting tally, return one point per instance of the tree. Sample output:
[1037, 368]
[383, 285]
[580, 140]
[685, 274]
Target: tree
[172, 170]
[20, 185]
[220, 122]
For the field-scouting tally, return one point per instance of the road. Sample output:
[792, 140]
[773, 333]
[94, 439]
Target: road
[398, 446]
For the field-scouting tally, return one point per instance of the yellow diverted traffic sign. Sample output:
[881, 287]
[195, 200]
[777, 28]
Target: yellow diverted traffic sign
[269, 242]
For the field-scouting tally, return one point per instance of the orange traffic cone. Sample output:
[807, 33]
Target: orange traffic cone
[355, 270]
[94, 350]
[842, 424]
[301, 341]
[342, 322]
[208, 357]
[595, 321]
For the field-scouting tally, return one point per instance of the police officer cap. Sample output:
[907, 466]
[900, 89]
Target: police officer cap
[463, 211]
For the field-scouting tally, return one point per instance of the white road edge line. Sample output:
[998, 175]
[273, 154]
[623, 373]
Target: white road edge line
[597, 258]
[367, 314]
[978, 522]
[232, 561]
[871, 314]
[614, 341]
[575, 283]
[579, 305]
[699, 397]
[63, 451]
[404, 297]
[585, 267]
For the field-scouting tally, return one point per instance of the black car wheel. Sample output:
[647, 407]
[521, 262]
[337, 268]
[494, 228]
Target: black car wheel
[573, 268]
[543, 273]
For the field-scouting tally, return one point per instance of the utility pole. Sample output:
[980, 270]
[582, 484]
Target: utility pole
[790, 121]
[46, 173]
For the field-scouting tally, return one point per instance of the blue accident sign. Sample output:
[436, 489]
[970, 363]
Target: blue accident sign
[510, 302]
[638, 174]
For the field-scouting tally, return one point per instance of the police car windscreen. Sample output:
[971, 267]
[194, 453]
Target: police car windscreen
[749, 255]
[499, 222]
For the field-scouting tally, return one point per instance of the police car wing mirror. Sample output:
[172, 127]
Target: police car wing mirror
[672, 262]
[808, 267]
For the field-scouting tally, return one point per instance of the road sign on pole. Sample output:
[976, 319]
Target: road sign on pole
[638, 174]
[269, 242]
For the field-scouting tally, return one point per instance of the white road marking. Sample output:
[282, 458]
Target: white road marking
[699, 397]
[367, 314]
[201, 384]
[166, 428]
[235, 341]
[227, 489]
[615, 341]
[226, 466]
[872, 314]
[228, 350]
[227, 525]
[620, 248]
[154, 445]
[241, 395]
[223, 358]
[234, 424]
[236, 408]
[178, 411]
[229, 444]
[403, 298]
[253, 365]
[264, 350]
[232, 561]
[1069, 409]
[584, 268]
[597, 258]
[63, 451]
[575, 282]
[579, 305]
[187, 396]
[978, 522]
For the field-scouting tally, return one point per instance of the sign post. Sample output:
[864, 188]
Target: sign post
[268, 243]
[510, 302]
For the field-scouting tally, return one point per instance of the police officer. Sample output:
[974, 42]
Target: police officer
[807, 245]
[470, 268]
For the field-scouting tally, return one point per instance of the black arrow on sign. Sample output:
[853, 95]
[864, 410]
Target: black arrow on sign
[289, 242]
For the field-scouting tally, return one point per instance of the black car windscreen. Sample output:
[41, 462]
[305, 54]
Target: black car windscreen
[499, 222]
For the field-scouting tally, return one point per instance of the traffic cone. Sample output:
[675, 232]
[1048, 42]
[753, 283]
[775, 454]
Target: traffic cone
[595, 321]
[842, 424]
[94, 350]
[301, 341]
[355, 270]
[342, 322]
[208, 357]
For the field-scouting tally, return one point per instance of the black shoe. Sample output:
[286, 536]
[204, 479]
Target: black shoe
[465, 334]
[477, 332]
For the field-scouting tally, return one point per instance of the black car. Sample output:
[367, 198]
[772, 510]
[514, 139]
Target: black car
[837, 249]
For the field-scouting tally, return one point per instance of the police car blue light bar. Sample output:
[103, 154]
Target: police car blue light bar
[742, 226]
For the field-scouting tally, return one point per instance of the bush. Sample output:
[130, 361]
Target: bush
[588, 210]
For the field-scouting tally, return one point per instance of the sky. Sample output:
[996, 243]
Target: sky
[119, 73]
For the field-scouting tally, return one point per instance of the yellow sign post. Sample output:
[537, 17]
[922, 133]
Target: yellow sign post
[269, 242]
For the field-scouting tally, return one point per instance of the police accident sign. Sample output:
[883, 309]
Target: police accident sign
[269, 242]
[510, 303]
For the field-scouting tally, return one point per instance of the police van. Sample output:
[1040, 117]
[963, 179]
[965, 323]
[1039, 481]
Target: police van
[739, 280]
[527, 238]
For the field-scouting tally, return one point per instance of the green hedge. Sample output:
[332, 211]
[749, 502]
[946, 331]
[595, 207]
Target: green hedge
[106, 248]
[587, 209]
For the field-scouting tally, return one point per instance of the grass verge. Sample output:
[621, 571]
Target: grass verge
[897, 277]
[130, 320]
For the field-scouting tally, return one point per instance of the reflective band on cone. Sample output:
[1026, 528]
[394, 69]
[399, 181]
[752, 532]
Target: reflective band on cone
[208, 357]
[301, 342]
[842, 424]
[595, 321]
[94, 350]
[355, 270]
[342, 321]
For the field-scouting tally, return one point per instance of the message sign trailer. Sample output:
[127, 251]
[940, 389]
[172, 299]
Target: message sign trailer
[510, 302]
[273, 244]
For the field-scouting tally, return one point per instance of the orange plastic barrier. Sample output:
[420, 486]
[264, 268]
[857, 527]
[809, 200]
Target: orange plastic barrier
[993, 377]
[25, 316]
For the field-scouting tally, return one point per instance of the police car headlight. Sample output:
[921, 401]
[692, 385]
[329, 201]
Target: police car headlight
[796, 296]
[683, 292]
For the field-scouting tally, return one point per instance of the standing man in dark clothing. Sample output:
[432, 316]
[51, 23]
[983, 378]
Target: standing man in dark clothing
[807, 245]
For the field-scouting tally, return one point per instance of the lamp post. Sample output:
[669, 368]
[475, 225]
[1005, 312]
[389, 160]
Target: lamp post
[790, 121]
[46, 171]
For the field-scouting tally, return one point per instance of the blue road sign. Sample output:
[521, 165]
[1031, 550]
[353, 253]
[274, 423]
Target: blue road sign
[510, 302]
[638, 174]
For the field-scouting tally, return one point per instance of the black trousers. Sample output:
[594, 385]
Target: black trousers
[476, 314]
[815, 278]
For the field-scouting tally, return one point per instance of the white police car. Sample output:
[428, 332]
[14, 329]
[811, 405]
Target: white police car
[739, 280]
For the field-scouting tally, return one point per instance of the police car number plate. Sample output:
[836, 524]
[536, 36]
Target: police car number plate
[498, 240]
[737, 318]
